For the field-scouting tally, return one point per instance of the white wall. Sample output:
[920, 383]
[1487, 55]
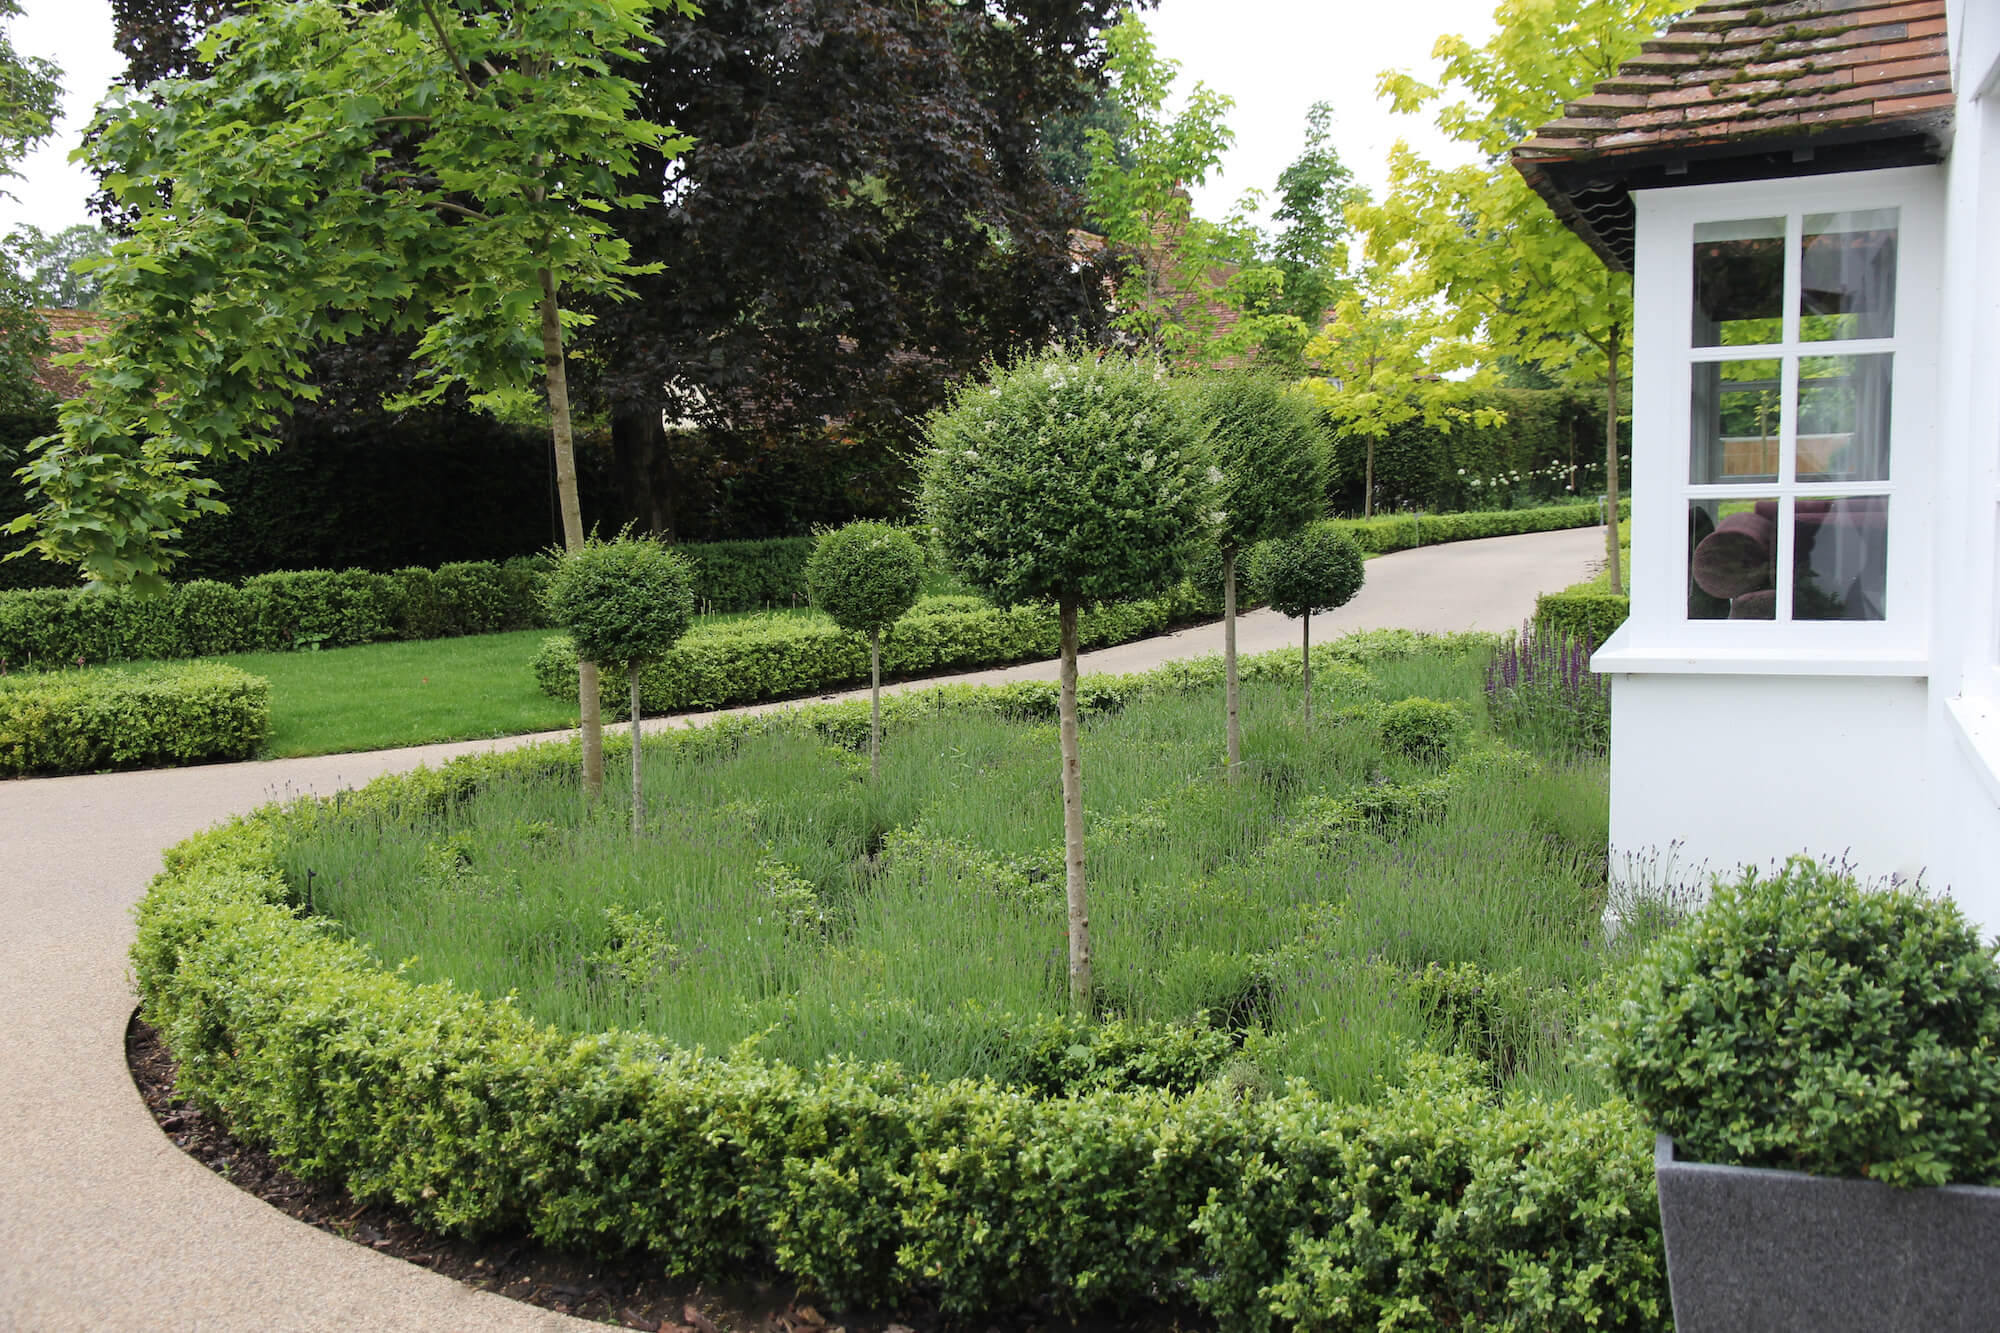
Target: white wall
[1964, 716]
[1748, 769]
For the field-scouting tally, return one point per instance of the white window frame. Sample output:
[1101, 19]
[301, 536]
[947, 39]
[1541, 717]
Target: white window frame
[1659, 636]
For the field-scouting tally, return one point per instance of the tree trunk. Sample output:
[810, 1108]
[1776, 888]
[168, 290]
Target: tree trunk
[638, 805]
[1072, 791]
[875, 706]
[1611, 464]
[1368, 484]
[590, 718]
[1306, 666]
[1233, 749]
[639, 450]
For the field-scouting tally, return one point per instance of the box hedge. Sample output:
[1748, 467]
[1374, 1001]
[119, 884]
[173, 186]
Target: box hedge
[749, 661]
[1583, 615]
[86, 722]
[1438, 1206]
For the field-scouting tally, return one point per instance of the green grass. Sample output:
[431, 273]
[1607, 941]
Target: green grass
[778, 898]
[381, 696]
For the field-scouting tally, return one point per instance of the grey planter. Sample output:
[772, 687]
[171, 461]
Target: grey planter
[1772, 1251]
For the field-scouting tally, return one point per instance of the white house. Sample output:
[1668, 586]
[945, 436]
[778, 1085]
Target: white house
[1807, 194]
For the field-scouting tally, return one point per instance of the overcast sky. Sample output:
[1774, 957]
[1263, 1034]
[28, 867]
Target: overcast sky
[1274, 57]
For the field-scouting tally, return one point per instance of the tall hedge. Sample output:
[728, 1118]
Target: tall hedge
[1552, 438]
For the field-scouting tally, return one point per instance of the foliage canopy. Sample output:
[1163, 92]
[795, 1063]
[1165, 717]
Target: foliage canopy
[431, 167]
[1066, 477]
[865, 575]
[1317, 569]
[1266, 442]
[623, 602]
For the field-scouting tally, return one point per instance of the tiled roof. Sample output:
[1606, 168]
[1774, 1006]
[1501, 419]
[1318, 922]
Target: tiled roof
[1732, 79]
[69, 330]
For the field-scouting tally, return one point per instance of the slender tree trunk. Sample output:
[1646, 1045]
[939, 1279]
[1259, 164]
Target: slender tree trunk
[588, 711]
[875, 706]
[638, 805]
[1072, 790]
[1611, 464]
[1233, 751]
[1306, 666]
[1368, 484]
[639, 449]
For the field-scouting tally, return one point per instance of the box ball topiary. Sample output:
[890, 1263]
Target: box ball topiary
[865, 575]
[1317, 569]
[1422, 729]
[622, 601]
[1803, 1022]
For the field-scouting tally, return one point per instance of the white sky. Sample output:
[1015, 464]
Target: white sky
[1274, 57]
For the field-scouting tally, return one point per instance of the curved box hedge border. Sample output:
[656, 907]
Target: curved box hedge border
[870, 1183]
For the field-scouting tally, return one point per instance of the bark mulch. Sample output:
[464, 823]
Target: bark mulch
[624, 1294]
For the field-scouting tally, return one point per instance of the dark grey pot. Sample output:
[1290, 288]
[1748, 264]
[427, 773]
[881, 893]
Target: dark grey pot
[1772, 1251]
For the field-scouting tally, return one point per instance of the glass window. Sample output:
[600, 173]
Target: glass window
[1736, 417]
[1844, 418]
[1840, 557]
[1732, 559]
[1739, 282]
[1806, 434]
[1847, 275]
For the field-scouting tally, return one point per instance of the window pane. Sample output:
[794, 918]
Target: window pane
[1847, 280]
[1739, 282]
[1840, 558]
[1732, 556]
[1844, 418]
[1735, 422]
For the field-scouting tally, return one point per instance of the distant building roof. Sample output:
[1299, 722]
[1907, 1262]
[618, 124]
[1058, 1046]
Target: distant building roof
[1738, 91]
[69, 330]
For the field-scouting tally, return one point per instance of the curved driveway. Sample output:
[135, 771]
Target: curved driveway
[104, 1224]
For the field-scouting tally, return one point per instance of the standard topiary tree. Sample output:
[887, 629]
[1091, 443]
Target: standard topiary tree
[624, 603]
[1268, 454]
[1317, 569]
[1069, 478]
[865, 576]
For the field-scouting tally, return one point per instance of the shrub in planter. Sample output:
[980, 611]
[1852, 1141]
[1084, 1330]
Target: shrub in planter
[1801, 1021]
[865, 576]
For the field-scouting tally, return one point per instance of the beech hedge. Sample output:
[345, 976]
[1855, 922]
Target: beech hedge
[715, 666]
[87, 722]
[298, 609]
[1439, 1205]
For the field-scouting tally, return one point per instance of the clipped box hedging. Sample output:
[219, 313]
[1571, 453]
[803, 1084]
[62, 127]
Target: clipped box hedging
[1437, 1206]
[86, 722]
[718, 665]
[1401, 532]
[1583, 615]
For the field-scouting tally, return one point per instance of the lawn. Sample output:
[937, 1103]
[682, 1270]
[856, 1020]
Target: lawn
[1344, 905]
[380, 696]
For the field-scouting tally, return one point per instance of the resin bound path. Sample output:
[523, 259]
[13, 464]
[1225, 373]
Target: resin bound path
[104, 1224]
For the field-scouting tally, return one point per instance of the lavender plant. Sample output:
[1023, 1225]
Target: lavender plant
[1541, 692]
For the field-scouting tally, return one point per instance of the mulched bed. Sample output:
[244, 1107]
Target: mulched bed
[625, 1294]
